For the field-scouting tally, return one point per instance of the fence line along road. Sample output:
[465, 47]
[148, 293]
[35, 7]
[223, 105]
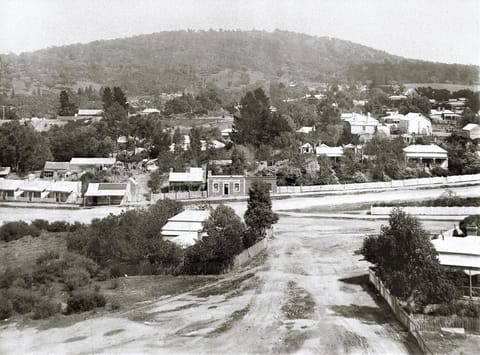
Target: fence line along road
[382, 185]
[428, 211]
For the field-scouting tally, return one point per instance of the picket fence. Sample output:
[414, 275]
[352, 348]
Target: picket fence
[380, 185]
[429, 211]
[397, 309]
[253, 251]
[435, 323]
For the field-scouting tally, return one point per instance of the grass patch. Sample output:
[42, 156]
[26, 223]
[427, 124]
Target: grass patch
[26, 250]
[227, 325]
[74, 339]
[113, 332]
[223, 287]
[293, 341]
[299, 304]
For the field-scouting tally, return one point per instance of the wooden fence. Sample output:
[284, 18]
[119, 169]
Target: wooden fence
[435, 323]
[381, 185]
[428, 211]
[253, 251]
[397, 309]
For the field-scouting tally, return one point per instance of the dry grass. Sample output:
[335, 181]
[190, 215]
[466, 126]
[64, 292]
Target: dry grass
[299, 304]
[24, 252]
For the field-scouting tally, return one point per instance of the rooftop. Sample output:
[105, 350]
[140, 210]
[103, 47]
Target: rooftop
[427, 148]
[470, 126]
[461, 252]
[191, 216]
[56, 165]
[106, 189]
[92, 161]
[65, 186]
[191, 175]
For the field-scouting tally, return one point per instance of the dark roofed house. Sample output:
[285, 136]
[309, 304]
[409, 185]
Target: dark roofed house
[56, 169]
[110, 193]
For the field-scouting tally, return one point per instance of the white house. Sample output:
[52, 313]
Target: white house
[428, 156]
[193, 178]
[149, 111]
[330, 152]
[89, 113]
[227, 132]
[185, 228]
[416, 123]
[363, 125]
[307, 148]
[306, 130]
[472, 130]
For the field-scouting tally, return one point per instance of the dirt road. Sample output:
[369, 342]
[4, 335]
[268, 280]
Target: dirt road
[307, 294]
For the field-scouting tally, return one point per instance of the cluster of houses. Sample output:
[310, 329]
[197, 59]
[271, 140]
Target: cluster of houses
[60, 183]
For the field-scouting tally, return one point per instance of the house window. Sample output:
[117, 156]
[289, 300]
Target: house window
[364, 128]
[215, 187]
[236, 187]
[48, 174]
[269, 187]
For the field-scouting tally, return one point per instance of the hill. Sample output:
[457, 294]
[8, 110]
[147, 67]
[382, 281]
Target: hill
[179, 60]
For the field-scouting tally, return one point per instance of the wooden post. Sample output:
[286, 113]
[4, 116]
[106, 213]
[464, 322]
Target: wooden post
[470, 281]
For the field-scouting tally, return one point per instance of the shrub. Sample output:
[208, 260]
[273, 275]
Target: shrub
[45, 308]
[438, 171]
[22, 300]
[76, 277]
[49, 267]
[47, 256]
[42, 224]
[80, 261]
[59, 226]
[115, 305]
[16, 230]
[6, 308]
[8, 277]
[85, 300]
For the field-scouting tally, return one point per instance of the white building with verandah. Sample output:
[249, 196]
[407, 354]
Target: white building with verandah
[426, 156]
[185, 228]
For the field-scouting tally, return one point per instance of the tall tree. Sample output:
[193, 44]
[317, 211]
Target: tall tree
[67, 108]
[407, 261]
[22, 148]
[119, 97]
[107, 98]
[259, 215]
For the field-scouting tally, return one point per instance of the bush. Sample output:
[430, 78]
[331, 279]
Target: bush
[49, 267]
[83, 301]
[16, 230]
[76, 277]
[41, 224]
[438, 171]
[45, 308]
[6, 308]
[22, 300]
[59, 226]
[115, 305]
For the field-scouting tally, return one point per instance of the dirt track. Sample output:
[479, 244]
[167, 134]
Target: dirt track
[308, 294]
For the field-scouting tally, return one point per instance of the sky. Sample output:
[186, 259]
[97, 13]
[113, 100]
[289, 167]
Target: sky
[437, 30]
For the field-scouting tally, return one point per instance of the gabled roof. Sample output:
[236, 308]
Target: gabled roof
[191, 216]
[356, 119]
[35, 185]
[470, 126]
[56, 165]
[305, 130]
[151, 110]
[427, 148]
[106, 189]
[324, 149]
[4, 170]
[413, 115]
[191, 175]
[90, 112]
[64, 186]
[92, 161]
[10, 185]
[461, 252]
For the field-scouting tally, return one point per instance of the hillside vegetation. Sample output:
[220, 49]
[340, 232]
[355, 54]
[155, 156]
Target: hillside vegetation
[179, 60]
